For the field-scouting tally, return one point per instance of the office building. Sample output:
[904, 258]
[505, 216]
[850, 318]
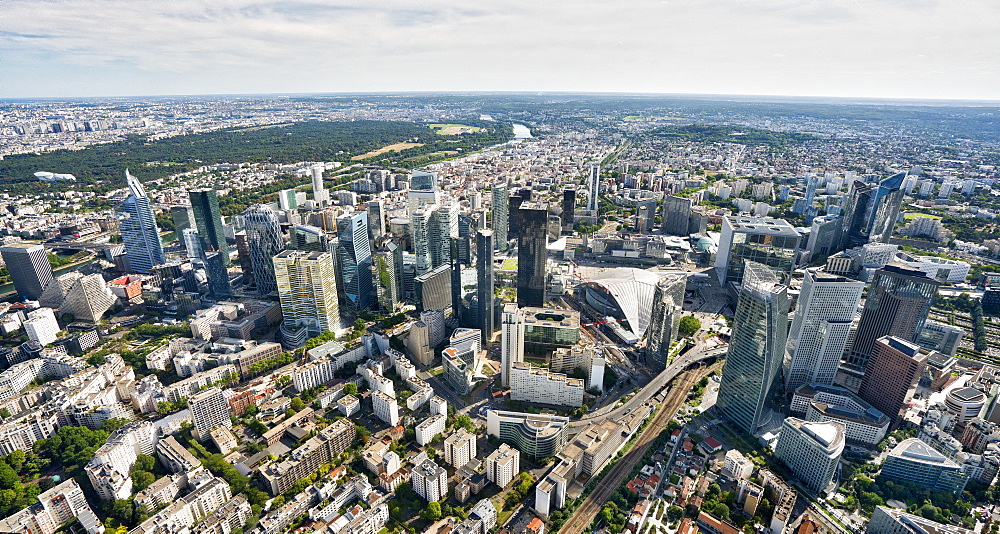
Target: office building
[536, 435]
[676, 215]
[594, 187]
[432, 290]
[218, 276]
[811, 450]
[209, 409]
[590, 359]
[307, 290]
[182, 218]
[820, 328]
[208, 220]
[88, 298]
[916, 462]
[966, 403]
[664, 323]
[191, 241]
[940, 337]
[532, 254]
[865, 425]
[443, 227]
[421, 223]
[460, 448]
[892, 375]
[770, 242]
[376, 219]
[485, 282]
[887, 520]
[870, 211]
[512, 326]
[503, 465]
[288, 199]
[756, 349]
[430, 481]
[460, 366]
[387, 279]
[355, 260]
[499, 216]
[264, 241]
[824, 237]
[137, 226]
[568, 208]
[309, 238]
[899, 299]
[29, 268]
[320, 195]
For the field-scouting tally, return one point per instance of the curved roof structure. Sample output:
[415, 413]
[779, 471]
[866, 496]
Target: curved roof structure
[632, 290]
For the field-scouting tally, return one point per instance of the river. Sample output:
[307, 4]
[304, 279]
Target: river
[521, 132]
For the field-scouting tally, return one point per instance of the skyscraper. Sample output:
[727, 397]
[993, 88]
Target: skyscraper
[568, 208]
[205, 207]
[500, 215]
[811, 450]
[139, 232]
[513, 214]
[306, 237]
[485, 281]
[29, 268]
[307, 289]
[421, 222]
[218, 276]
[511, 341]
[892, 375]
[287, 199]
[192, 244]
[444, 226]
[822, 322]
[423, 181]
[388, 287]
[676, 215]
[771, 242]
[209, 409]
[532, 254]
[668, 303]
[355, 258]
[376, 219]
[320, 194]
[870, 211]
[756, 348]
[594, 186]
[182, 217]
[263, 242]
[899, 299]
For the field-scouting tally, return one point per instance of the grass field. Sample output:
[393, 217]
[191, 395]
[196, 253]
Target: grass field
[395, 147]
[509, 264]
[453, 129]
[909, 216]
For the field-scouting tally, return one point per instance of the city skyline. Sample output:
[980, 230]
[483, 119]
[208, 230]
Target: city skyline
[763, 48]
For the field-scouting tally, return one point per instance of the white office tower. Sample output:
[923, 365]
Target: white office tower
[41, 326]
[376, 218]
[887, 520]
[288, 199]
[460, 448]
[209, 409]
[192, 244]
[444, 226]
[820, 328]
[320, 194]
[811, 450]
[421, 223]
[503, 465]
[512, 341]
[594, 186]
[430, 481]
[307, 290]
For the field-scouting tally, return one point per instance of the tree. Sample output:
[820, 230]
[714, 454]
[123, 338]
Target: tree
[144, 462]
[432, 512]
[297, 404]
[142, 479]
[111, 425]
[689, 325]
[350, 388]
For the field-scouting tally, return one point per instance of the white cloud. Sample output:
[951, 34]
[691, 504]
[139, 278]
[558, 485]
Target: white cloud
[864, 47]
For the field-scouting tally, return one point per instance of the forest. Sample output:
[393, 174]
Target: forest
[711, 133]
[284, 143]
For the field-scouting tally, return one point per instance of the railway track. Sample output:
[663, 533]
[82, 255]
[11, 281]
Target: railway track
[579, 522]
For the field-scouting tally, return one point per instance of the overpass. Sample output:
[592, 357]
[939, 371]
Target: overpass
[96, 248]
[694, 356]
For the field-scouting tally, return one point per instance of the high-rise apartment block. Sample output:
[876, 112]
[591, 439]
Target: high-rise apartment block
[460, 448]
[503, 465]
[430, 481]
[209, 409]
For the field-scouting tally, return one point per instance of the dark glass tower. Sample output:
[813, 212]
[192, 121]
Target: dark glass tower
[568, 207]
[756, 349]
[205, 208]
[531, 254]
[355, 257]
[485, 281]
[218, 276]
[29, 268]
[870, 211]
[500, 216]
[899, 299]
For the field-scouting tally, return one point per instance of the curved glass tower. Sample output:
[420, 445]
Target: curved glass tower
[264, 242]
[137, 225]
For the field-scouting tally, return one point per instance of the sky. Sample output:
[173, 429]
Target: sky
[927, 49]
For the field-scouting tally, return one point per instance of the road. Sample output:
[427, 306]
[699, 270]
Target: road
[695, 355]
[580, 521]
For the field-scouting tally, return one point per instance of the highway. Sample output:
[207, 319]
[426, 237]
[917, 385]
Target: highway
[693, 356]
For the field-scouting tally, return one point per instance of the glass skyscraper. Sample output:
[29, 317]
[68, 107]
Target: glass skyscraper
[870, 211]
[500, 216]
[485, 282]
[264, 242]
[205, 208]
[141, 236]
[355, 257]
[532, 254]
[665, 318]
[756, 349]
[770, 242]
[307, 289]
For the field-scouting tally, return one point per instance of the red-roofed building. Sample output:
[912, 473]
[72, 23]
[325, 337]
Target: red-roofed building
[126, 287]
[710, 445]
[714, 525]
[687, 527]
[536, 526]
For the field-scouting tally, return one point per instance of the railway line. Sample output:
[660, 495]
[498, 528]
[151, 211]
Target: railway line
[581, 519]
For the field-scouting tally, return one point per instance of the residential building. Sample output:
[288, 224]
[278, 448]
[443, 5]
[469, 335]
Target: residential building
[503, 465]
[209, 409]
[537, 385]
[307, 289]
[756, 348]
[41, 326]
[54, 508]
[460, 448]
[738, 466]
[429, 428]
[430, 481]
[386, 408]
[304, 460]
